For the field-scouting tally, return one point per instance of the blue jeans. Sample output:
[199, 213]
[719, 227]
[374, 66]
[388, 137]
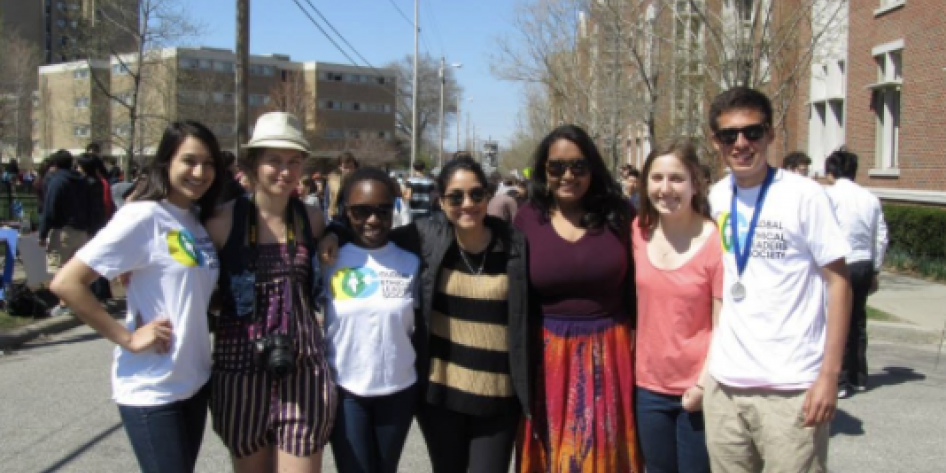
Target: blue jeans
[672, 439]
[167, 438]
[370, 432]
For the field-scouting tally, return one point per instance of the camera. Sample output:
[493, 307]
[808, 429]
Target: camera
[274, 353]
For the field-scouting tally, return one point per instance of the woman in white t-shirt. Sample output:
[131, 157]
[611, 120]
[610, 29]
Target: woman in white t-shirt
[162, 363]
[369, 322]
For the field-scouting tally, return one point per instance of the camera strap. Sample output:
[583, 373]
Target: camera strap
[251, 244]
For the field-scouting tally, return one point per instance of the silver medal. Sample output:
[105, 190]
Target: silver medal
[738, 291]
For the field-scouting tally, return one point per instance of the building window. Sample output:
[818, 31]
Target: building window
[82, 102]
[330, 104]
[119, 69]
[332, 134]
[81, 131]
[885, 102]
[223, 66]
[826, 116]
[223, 97]
[206, 64]
[354, 134]
[80, 74]
[257, 100]
[61, 23]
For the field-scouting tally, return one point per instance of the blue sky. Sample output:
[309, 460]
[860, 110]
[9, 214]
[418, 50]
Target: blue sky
[463, 31]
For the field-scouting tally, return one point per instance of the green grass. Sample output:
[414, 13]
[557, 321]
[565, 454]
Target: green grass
[9, 322]
[879, 315]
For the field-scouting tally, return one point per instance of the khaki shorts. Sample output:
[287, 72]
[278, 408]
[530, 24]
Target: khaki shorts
[757, 430]
[64, 243]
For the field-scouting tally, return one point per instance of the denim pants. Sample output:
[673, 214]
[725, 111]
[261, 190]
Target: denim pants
[672, 439]
[167, 438]
[370, 431]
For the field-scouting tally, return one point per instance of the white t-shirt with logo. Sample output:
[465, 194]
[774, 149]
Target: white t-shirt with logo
[369, 319]
[775, 337]
[174, 269]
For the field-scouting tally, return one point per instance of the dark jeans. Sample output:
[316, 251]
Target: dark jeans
[854, 367]
[672, 439]
[460, 443]
[167, 438]
[370, 432]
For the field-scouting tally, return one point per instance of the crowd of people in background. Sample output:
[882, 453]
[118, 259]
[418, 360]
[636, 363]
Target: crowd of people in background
[577, 320]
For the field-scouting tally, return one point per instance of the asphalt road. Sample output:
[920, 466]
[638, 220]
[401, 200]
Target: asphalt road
[55, 414]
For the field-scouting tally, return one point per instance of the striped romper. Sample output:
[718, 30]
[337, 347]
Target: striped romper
[251, 409]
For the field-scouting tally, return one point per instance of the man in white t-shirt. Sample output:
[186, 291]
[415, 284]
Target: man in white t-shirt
[776, 354]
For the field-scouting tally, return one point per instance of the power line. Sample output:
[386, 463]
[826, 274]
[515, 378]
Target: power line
[433, 21]
[401, 12]
[325, 33]
[329, 23]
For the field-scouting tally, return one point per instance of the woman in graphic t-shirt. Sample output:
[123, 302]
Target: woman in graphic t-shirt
[679, 287]
[162, 362]
[369, 322]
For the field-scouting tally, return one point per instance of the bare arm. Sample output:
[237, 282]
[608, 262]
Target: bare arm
[218, 227]
[71, 284]
[316, 220]
[693, 397]
[822, 398]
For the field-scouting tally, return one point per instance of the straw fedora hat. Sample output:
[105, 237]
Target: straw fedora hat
[278, 130]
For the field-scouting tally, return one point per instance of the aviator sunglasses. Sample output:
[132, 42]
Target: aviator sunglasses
[728, 136]
[363, 212]
[455, 198]
[578, 167]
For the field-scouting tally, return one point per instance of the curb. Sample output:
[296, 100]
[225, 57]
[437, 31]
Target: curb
[898, 332]
[51, 325]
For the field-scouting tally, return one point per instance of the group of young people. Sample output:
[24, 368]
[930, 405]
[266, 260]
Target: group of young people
[580, 337]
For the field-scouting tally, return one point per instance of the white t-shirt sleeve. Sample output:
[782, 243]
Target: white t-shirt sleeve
[124, 244]
[822, 232]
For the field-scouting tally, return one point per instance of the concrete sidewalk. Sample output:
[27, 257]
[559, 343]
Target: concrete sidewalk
[919, 304]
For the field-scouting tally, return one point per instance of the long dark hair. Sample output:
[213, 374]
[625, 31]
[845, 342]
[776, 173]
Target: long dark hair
[603, 202]
[156, 182]
[684, 150]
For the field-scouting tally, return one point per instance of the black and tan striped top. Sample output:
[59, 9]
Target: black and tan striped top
[469, 356]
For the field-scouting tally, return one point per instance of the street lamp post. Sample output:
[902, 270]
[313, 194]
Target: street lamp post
[443, 81]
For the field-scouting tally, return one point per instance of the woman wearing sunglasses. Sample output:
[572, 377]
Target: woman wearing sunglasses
[369, 321]
[474, 372]
[577, 224]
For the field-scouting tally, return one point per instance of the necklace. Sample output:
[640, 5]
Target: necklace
[475, 272]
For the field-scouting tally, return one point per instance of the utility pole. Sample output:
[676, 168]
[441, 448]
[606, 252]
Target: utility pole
[415, 91]
[443, 82]
[458, 121]
[242, 73]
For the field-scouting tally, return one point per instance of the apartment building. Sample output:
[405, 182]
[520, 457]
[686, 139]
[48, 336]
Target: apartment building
[342, 107]
[53, 26]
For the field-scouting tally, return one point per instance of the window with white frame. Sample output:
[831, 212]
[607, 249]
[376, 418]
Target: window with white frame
[81, 131]
[82, 102]
[223, 97]
[80, 74]
[119, 69]
[826, 115]
[223, 66]
[885, 102]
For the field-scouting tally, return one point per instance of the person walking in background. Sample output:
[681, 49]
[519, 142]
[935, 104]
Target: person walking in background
[98, 204]
[346, 165]
[308, 192]
[581, 268]
[679, 272]
[273, 399]
[162, 361]
[370, 321]
[862, 220]
[64, 225]
[776, 354]
[630, 184]
[502, 204]
[420, 192]
[797, 162]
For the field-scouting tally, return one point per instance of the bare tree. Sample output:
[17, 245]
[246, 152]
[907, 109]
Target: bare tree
[428, 101]
[147, 26]
[18, 78]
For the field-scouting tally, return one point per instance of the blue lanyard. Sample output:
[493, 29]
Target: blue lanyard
[742, 254]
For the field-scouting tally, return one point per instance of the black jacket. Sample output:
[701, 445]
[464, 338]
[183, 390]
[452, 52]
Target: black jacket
[431, 238]
[65, 202]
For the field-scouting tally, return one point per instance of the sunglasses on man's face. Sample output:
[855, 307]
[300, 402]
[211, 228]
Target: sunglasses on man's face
[556, 168]
[455, 198]
[363, 212]
[728, 136]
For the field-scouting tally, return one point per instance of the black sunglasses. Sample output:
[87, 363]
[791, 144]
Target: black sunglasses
[363, 212]
[578, 167]
[455, 198]
[728, 136]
